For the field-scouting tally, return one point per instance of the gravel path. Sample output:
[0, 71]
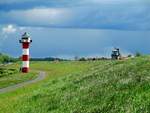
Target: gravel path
[14, 87]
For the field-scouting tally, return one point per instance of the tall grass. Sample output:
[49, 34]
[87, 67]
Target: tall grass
[10, 75]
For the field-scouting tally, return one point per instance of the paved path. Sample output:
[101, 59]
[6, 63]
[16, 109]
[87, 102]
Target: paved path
[14, 87]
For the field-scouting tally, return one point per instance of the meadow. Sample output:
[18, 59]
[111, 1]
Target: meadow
[84, 87]
[10, 75]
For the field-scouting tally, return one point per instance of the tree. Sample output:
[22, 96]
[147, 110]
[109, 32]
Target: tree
[6, 59]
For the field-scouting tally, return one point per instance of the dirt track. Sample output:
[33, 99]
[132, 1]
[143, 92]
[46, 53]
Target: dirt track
[14, 87]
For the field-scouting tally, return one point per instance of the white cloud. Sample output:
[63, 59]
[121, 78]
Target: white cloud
[6, 31]
[9, 29]
[39, 16]
[47, 15]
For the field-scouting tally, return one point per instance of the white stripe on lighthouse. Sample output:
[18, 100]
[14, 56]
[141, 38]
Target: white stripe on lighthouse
[25, 52]
[25, 64]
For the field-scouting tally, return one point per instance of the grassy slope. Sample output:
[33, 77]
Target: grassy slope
[15, 78]
[88, 87]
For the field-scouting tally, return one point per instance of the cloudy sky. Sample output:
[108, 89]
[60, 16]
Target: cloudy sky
[68, 28]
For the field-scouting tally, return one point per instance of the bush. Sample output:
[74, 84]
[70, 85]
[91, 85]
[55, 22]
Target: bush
[138, 54]
[6, 72]
[129, 55]
[82, 59]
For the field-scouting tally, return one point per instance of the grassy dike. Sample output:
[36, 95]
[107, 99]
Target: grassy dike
[84, 87]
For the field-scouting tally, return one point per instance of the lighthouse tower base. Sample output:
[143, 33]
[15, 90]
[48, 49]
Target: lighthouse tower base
[25, 69]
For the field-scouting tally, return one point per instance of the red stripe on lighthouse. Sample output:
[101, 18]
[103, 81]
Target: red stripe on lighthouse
[25, 57]
[25, 45]
[25, 69]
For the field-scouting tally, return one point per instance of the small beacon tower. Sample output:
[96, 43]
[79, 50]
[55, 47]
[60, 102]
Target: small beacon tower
[25, 53]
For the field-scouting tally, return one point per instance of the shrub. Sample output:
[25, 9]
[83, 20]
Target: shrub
[138, 54]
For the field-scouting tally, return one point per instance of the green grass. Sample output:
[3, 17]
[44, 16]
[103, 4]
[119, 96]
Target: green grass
[85, 87]
[10, 75]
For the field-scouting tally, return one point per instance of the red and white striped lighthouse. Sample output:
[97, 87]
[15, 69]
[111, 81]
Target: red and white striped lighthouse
[25, 55]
